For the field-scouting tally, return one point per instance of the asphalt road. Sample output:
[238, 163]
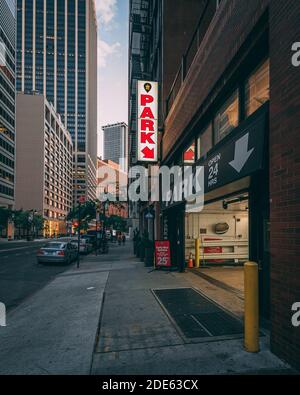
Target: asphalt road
[20, 275]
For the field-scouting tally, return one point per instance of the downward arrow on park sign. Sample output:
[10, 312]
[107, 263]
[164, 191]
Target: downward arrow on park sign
[148, 153]
[241, 154]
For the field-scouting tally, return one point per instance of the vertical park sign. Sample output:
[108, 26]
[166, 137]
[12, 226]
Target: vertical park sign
[147, 138]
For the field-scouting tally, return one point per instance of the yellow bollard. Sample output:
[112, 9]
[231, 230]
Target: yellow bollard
[251, 321]
[197, 253]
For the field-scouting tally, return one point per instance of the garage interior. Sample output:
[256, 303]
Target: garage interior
[222, 228]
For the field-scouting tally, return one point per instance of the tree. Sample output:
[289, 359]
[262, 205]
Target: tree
[37, 223]
[117, 223]
[87, 214]
[5, 216]
[22, 221]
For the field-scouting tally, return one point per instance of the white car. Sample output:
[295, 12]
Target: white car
[85, 246]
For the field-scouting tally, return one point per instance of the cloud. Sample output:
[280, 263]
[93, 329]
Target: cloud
[106, 11]
[105, 50]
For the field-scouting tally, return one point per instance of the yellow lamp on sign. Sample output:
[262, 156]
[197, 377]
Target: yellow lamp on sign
[148, 87]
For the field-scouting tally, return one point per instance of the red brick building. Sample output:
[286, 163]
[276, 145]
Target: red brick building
[242, 36]
[112, 185]
[234, 100]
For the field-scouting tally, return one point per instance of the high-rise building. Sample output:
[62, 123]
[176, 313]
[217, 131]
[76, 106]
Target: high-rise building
[7, 102]
[57, 57]
[116, 144]
[44, 162]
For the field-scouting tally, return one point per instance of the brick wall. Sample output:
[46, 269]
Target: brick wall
[284, 178]
[179, 24]
[230, 27]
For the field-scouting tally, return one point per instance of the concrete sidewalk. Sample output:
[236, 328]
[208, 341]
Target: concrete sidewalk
[54, 331]
[104, 319]
[137, 337]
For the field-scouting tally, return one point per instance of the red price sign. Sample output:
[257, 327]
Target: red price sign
[162, 253]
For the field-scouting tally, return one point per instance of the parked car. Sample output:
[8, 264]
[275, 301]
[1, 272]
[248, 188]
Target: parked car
[57, 252]
[108, 235]
[92, 239]
[85, 246]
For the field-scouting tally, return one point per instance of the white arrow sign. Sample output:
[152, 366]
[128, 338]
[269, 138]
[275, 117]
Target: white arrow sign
[241, 154]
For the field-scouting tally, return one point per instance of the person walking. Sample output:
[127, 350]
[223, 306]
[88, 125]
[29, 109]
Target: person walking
[119, 238]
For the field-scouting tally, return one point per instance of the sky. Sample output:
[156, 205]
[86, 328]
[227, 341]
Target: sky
[112, 16]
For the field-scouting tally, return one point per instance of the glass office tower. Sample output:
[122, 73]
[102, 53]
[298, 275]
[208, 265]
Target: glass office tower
[57, 57]
[7, 102]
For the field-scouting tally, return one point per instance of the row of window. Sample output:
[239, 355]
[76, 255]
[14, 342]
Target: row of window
[6, 161]
[7, 43]
[7, 87]
[6, 176]
[227, 118]
[4, 190]
[8, 147]
[7, 102]
[6, 132]
[6, 116]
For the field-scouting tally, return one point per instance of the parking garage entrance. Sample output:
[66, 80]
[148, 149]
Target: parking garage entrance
[233, 225]
[221, 233]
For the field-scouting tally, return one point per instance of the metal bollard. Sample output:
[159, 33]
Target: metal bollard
[251, 321]
[197, 253]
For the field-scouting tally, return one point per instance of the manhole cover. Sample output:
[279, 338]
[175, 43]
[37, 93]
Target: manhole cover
[197, 316]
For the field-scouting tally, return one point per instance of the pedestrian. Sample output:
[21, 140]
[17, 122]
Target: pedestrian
[123, 239]
[119, 238]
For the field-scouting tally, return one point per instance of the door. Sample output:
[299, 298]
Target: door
[259, 238]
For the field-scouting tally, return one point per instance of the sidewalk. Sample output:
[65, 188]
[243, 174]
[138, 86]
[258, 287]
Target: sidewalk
[137, 337]
[104, 319]
[54, 331]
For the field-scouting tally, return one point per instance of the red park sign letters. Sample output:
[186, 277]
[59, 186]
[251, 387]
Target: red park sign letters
[147, 121]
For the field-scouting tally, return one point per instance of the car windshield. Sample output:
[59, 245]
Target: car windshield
[57, 246]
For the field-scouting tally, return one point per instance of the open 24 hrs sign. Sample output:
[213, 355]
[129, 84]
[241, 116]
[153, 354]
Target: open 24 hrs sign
[147, 121]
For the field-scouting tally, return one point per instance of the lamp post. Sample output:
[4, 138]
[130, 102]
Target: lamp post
[81, 200]
[98, 207]
[105, 206]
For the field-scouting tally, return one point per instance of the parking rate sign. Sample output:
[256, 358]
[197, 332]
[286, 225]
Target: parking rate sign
[147, 121]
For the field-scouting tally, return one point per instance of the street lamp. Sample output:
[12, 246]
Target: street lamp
[81, 200]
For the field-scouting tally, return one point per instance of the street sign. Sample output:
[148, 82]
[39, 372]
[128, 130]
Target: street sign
[149, 216]
[239, 157]
[162, 253]
[147, 135]
[236, 158]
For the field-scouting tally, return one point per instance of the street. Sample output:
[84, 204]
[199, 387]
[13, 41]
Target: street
[20, 275]
[149, 188]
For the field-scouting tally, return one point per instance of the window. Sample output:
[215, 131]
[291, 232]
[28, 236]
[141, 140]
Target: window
[257, 90]
[189, 154]
[204, 142]
[227, 117]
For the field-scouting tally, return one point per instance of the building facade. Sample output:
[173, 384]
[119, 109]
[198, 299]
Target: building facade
[154, 26]
[112, 180]
[115, 139]
[45, 162]
[232, 108]
[7, 103]
[57, 57]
